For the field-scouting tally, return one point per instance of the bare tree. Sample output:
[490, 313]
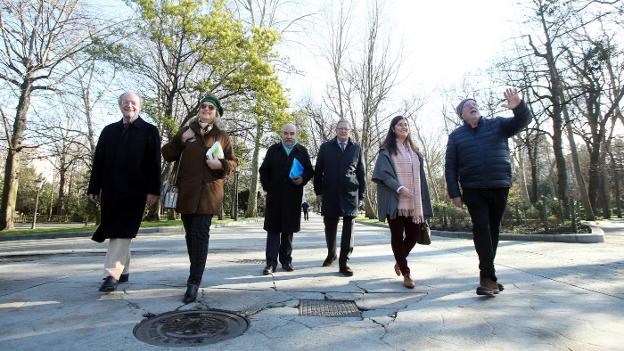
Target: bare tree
[373, 78]
[429, 145]
[37, 40]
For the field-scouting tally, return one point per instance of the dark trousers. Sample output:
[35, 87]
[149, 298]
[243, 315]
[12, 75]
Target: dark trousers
[305, 215]
[278, 245]
[197, 228]
[346, 239]
[486, 207]
[401, 244]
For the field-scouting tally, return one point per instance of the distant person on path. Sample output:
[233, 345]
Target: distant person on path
[339, 183]
[305, 207]
[125, 177]
[402, 193]
[200, 182]
[477, 157]
[284, 192]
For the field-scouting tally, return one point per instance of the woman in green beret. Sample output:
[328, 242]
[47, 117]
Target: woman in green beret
[201, 167]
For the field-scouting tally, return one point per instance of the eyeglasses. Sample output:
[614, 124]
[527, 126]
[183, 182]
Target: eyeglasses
[343, 129]
[210, 107]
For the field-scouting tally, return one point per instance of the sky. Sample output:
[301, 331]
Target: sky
[441, 42]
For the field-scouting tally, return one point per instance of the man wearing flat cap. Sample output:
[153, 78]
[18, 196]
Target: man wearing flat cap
[477, 157]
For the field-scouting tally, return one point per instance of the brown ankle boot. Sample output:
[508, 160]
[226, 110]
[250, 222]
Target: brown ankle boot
[408, 282]
[487, 287]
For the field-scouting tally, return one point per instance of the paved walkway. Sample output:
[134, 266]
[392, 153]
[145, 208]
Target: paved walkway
[558, 296]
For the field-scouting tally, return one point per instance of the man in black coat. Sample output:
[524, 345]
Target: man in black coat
[339, 183]
[284, 192]
[477, 156]
[125, 176]
[305, 206]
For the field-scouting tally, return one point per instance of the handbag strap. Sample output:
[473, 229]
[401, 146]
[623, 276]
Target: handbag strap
[175, 179]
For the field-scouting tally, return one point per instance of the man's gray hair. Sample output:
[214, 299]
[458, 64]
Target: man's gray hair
[129, 93]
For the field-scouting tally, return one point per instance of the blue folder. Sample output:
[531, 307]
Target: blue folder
[296, 170]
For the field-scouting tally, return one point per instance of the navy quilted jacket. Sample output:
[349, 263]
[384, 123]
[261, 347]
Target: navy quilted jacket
[479, 157]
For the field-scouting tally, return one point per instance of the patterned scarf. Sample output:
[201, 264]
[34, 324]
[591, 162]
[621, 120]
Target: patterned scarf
[407, 166]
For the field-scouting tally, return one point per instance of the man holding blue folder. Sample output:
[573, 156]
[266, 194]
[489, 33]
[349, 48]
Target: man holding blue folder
[284, 172]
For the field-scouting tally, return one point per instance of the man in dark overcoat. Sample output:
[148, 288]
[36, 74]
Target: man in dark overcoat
[339, 183]
[284, 191]
[125, 176]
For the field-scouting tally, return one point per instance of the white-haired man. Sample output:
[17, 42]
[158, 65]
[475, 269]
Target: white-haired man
[125, 177]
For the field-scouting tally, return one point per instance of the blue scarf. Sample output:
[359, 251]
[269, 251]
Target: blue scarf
[288, 149]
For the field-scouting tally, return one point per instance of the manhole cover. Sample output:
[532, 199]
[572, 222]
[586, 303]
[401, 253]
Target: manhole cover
[329, 308]
[190, 328]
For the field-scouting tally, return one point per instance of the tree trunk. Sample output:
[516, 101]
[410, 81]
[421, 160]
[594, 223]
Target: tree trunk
[523, 177]
[252, 204]
[532, 148]
[594, 176]
[370, 201]
[556, 94]
[562, 176]
[60, 202]
[578, 174]
[616, 181]
[604, 184]
[12, 165]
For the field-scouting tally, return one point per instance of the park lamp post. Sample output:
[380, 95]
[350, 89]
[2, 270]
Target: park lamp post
[39, 185]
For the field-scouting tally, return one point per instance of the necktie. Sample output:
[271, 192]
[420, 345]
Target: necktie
[343, 146]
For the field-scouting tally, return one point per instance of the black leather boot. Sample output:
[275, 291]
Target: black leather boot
[191, 293]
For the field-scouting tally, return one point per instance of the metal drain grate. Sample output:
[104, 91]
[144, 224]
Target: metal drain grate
[249, 260]
[191, 328]
[329, 308]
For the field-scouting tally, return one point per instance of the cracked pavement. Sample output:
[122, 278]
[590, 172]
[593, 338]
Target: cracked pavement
[558, 296]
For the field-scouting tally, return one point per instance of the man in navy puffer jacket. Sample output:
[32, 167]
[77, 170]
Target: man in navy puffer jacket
[477, 157]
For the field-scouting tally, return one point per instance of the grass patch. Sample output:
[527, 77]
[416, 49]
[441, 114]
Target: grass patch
[91, 228]
[47, 230]
[368, 220]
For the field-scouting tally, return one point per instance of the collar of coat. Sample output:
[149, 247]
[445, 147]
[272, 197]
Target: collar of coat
[280, 146]
[466, 124]
[337, 143]
[385, 152]
[194, 125]
[138, 122]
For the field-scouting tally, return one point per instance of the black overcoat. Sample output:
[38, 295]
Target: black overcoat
[126, 167]
[340, 177]
[283, 202]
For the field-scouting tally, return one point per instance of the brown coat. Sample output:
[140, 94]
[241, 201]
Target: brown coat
[200, 188]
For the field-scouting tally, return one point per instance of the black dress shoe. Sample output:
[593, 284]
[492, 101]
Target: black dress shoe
[268, 270]
[110, 284]
[124, 278]
[329, 260]
[191, 293]
[288, 267]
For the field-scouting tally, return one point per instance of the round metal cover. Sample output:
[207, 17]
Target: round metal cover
[190, 328]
